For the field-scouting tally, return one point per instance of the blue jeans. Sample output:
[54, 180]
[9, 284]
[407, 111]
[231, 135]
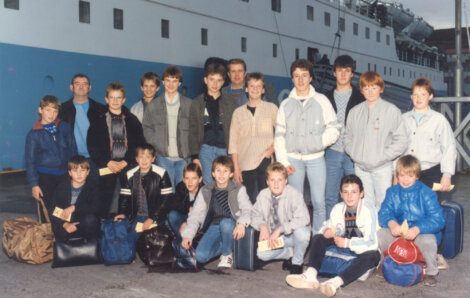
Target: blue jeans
[175, 219]
[295, 246]
[217, 240]
[174, 168]
[376, 183]
[207, 156]
[338, 165]
[316, 174]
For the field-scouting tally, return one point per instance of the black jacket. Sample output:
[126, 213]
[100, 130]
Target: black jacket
[157, 187]
[180, 201]
[87, 201]
[67, 111]
[98, 141]
[356, 98]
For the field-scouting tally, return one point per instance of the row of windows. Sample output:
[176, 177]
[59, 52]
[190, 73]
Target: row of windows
[388, 71]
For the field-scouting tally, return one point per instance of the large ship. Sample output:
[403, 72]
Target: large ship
[44, 43]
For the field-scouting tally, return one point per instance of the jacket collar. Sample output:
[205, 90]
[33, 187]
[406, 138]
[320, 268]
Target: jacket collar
[39, 126]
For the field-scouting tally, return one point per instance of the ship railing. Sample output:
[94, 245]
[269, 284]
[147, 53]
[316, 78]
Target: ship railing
[461, 127]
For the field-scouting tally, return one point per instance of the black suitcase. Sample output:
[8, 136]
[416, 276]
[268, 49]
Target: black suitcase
[452, 236]
[244, 251]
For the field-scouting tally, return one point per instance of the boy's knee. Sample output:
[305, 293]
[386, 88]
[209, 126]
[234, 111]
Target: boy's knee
[302, 234]
[227, 225]
[201, 256]
[426, 241]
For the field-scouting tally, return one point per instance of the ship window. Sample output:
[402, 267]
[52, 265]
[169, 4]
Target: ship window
[310, 12]
[387, 39]
[84, 12]
[245, 0]
[398, 71]
[274, 50]
[276, 5]
[367, 33]
[390, 70]
[377, 36]
[297, 53]
[355, 28]
[327, 19]
[165, 28]
[411, 73]
[244, 44]
[204, 36]
[403, 73]
[375, 67]
[385, 70]
[342, 24]
[368, 66]
[118, 18]
[313, 54]
[12, 4]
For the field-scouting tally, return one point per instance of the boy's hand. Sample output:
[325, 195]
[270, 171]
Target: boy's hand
[412, 233]
[237, 175]
[113, 166]
[68, 211]
[186, 243]
[119, 217]
[445, 183]
[340, 241]
[328, 233]
[239, 232]
[36, 192]
[273, 238]
[268, 153]
[263, 232]
[290, 170]
[70, 227]
[147, 223]
[395, 228]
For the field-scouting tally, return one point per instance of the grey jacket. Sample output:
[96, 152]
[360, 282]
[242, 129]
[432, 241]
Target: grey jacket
[196, 131]
[292, 211]
[374, 138]
[238, 201]
[155, 125]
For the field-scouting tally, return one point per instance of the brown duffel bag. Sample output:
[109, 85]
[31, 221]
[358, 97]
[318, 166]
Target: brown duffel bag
[28, 241]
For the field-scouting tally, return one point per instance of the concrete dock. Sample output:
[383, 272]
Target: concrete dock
[135, 280]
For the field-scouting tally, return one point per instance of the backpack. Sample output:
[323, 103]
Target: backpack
[117, 242]
[403, 263]
[184, 258]
[336, 260]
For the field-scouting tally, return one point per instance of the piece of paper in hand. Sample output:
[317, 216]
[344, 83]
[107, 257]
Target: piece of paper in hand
[404, 228]
[264, 245]
[139, 227]
[59, 213]
[437, 187]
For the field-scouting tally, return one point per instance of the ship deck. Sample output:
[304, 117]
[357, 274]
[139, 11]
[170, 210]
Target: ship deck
[135, 280]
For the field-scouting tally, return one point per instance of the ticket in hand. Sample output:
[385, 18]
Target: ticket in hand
[264, 245]
[105, 171]
[139, 227]
[59, 213]
[404, 228]
[437, 187]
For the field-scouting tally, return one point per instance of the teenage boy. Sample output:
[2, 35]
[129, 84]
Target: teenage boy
[306, 124]
[413, 201]
[343, 98]
[252, 137]
[432, 140]
[352, 226]
[280, 212]
[166, 125]
[79, 112]
[222, 211]
[147, 188]
[149, 84]
[49, 146]
[210, 117]
[78, 197]
[112, 140]
[375, 135]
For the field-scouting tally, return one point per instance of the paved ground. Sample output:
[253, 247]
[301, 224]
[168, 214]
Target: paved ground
[22, 280]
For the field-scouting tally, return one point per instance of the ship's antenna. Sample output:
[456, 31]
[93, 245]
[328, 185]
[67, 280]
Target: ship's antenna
[280, 44]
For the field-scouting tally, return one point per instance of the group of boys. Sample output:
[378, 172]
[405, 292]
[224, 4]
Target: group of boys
[325, 138]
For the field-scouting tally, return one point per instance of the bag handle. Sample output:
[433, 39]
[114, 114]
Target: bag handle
[44, 210]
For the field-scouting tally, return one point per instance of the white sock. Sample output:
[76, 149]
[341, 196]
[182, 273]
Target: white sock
[336, 282]
[311, 273]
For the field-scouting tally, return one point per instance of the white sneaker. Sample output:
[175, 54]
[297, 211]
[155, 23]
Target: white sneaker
[225, 261]
[327, 289]
[306, 280]
[442, 263]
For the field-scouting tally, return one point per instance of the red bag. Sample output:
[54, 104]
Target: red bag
[404, 251]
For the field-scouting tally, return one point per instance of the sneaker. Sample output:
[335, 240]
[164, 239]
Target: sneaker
[430, 280]
[287, 264]
[225, 261]
[296, 269]
[327, 289]
[306, 280]
[442, 263]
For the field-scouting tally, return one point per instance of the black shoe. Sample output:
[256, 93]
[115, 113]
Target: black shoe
[287, 264]
[296, 269]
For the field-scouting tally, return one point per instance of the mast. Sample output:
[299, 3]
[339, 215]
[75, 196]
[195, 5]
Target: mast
[458, 70]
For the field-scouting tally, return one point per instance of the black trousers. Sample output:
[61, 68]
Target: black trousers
[255, 180]
[434, 175]
[48, 184]
[359, 266]
[88, 227]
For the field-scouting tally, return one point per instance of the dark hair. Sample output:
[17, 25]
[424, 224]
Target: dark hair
[423, 82]
[173, 71]
[258, 76]
[276, 167]
[78, 161]
[303, 64]
[145, 147]
[192, 167]
[236, 61]
[150, 76]
[49, 100]
[344, 61]
[80, 75]
[225, 161]
[215, 68]
[352, 179]
[115, 86]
